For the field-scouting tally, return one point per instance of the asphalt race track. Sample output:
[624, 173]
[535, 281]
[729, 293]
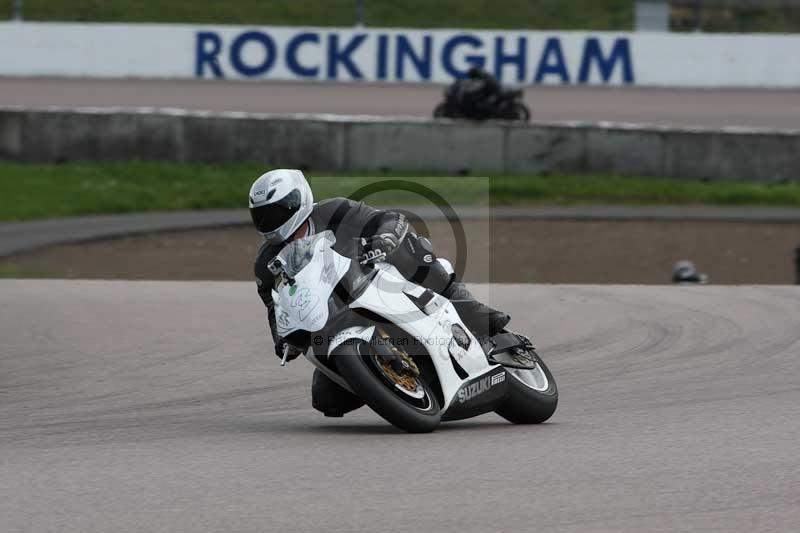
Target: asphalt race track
[703, 107]
[155, 406]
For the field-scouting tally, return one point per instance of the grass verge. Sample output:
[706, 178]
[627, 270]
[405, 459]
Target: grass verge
[29, 192]
[14, 271]
[614, 15]
[523, 14]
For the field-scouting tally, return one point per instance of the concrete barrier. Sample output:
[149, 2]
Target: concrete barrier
[331, 142]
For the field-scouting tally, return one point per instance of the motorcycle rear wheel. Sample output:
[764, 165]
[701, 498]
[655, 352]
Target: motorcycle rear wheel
[531, 399]
[414, 411]
[440, 111]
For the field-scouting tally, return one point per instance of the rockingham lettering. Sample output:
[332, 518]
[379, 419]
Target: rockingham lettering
[397, 55]
[413, 55]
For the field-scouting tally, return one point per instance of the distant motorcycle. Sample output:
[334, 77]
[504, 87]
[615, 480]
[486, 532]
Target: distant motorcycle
[460, 102]
[399, 347]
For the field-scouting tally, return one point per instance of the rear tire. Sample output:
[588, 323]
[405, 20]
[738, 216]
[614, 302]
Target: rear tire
[363, 376]
[526, 405]
[441, 111]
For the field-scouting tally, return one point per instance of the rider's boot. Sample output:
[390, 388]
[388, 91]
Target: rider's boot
[481, 319]
[331, 399]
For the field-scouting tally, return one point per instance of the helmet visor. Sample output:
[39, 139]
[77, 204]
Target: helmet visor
[270, 217]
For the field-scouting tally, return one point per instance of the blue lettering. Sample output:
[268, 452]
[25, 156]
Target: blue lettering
[291, 54]
[236, 53]
[552, 61]
[449, 48]
[336, 56]
[207, 56]
[422, 63]
[592, 52]
[519, 59]
[383, 51]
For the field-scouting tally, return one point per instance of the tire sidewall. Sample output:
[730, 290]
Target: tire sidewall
[441, 111]
[525, 405]
[521, 112]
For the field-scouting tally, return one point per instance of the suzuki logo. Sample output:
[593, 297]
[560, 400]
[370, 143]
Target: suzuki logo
[479, 387]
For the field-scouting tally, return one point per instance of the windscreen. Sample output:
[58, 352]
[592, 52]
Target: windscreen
[297, 254]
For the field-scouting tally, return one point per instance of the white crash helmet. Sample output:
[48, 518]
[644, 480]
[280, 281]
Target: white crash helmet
[280, 202]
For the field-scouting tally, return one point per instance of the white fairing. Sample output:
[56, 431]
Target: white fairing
[350, 334]
[303, 304]
[316, 269]
[386, 296]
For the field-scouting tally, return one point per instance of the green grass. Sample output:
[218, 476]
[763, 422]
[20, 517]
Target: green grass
[723, 18]
[29, 192]
[14, 271]
[616, 15]
[530, 14]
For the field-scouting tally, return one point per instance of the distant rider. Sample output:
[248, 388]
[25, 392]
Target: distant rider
[283, 209]
[482, 90]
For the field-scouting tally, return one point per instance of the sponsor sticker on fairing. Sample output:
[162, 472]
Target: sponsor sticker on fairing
[479, 387]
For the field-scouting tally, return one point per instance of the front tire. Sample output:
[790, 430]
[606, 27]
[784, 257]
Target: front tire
[530, 400]
[356, 365]
[520, 111]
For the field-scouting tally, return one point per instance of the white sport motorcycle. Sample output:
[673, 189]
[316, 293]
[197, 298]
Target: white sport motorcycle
[399, 347]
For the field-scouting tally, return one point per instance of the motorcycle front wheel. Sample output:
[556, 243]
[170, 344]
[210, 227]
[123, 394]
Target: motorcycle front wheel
[408, 403]
[520, 112]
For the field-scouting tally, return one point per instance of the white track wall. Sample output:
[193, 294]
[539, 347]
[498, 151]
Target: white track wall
[396, 55]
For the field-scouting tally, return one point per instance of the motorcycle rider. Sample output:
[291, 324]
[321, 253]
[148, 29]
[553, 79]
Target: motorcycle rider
[483, 89]
[282, 208]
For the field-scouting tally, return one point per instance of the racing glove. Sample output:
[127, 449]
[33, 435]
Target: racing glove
[390, 236]
[385, 242]
[294, 351]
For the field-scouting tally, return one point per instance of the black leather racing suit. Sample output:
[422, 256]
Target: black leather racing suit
[350, 222]
[483, 91]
